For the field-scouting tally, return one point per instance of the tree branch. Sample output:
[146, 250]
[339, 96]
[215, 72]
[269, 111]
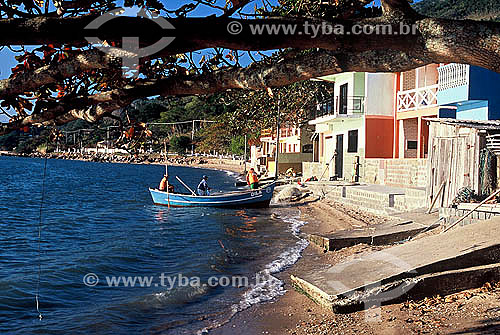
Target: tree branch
[430, 40]
[398, 9]
[470, 42]
[256, 77]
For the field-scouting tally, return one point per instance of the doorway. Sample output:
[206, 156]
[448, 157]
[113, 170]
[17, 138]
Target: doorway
[339, 159]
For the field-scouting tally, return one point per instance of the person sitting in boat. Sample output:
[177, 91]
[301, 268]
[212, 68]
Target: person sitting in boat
[164, 183]
[252, 179]
[203, 188]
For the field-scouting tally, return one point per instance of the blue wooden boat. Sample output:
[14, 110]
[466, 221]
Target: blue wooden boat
[258, 198]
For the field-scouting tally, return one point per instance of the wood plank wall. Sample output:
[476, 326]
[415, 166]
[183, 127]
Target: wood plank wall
[453, 159]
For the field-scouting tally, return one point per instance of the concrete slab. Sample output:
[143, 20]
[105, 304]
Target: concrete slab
[382, 234]
[395, 271]
[440, 283]
[404, 226]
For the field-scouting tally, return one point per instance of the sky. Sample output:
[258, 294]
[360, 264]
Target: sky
[7, 60]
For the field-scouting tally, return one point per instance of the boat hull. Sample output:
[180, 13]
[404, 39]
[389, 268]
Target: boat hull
[259, 198]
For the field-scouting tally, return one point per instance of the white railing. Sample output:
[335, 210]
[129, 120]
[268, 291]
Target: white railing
[493, 143]
[453, 75]
[419, 98]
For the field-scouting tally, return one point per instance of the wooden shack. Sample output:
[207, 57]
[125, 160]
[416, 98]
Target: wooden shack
[454, 157]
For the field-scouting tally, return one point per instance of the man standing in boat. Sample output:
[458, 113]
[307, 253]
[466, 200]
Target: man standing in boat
[252, 179]
[203, 188]
[164, 183]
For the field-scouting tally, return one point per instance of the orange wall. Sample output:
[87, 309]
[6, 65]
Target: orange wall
[379, 137]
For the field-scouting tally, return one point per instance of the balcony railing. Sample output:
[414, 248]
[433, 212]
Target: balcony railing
[353, 105]
[416, 99]
[453, 75]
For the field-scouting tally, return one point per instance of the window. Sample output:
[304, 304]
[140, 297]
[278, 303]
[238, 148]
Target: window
[411, 145]
[307, 148]
[352, 141]
[343, 99]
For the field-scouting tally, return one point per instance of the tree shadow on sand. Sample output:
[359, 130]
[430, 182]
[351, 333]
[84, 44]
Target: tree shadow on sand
[485, 326]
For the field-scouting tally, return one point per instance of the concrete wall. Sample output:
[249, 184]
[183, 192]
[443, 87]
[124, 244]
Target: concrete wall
[397, 172]
[379, 93]
[453, 95]
[295, 157]
[473, 110]
[379, 137]
[310, 169]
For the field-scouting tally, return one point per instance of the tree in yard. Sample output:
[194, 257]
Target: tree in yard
[63, 77]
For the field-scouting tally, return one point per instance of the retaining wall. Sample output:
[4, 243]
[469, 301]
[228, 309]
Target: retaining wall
[396, 172]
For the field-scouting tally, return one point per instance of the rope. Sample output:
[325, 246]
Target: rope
[37, 295]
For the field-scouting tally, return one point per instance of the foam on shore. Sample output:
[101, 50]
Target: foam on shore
[267, 287]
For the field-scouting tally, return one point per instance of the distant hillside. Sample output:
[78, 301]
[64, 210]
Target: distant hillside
[460, 9]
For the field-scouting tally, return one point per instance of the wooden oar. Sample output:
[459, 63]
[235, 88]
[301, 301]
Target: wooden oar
[183, 184]
[166, 172]
[168, 188]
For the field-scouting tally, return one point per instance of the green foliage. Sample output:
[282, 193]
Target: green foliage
[237, 146]
[176, 109]
[9, 142]
[180, 144]
[459, 9]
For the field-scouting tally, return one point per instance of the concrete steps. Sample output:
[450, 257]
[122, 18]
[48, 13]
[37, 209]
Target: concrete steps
[378, 199]
[462, 258]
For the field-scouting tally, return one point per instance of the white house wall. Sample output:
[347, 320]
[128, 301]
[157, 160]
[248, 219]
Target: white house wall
[379, 93]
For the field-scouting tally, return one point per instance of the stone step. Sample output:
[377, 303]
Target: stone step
[476, 245]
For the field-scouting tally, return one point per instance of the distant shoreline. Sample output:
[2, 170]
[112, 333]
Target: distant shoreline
[221, 164]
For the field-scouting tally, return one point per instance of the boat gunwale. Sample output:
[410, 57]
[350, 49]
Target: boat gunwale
[262, 188]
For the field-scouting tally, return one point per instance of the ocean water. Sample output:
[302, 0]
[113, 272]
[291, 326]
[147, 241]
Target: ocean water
[100, 232]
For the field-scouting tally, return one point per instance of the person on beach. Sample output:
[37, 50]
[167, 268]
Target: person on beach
[164, 183]
[252, 179]
[203, 188]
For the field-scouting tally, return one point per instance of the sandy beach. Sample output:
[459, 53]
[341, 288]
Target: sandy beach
[467, 312]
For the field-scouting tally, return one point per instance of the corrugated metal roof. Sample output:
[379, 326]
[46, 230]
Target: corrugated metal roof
[487, 125]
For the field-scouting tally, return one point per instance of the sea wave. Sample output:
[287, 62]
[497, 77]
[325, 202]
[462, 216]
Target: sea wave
[269, 287]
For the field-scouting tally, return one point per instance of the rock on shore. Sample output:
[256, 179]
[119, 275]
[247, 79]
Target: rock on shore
[115, 158]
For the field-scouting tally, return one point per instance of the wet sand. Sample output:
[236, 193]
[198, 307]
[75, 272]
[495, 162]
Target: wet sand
[468, 312]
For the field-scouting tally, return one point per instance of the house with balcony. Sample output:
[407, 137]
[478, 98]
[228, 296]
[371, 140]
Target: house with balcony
[416, 99]
[295, 146]
[456, 91]
[470, 92]
[355, 123]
